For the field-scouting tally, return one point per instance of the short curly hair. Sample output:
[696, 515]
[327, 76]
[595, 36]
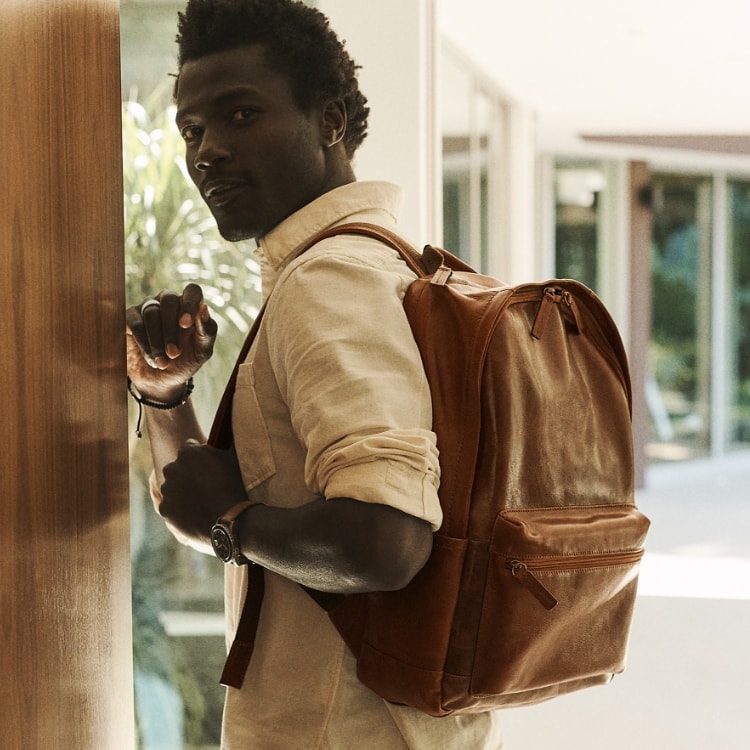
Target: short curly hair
[299, 43]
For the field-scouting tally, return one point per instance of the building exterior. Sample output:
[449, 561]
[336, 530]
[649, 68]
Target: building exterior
[656, 225]
[659, 227]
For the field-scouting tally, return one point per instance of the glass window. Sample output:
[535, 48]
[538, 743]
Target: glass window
[678, 387]
[470, 123]
[738, 302]
[578, 191]
[171, 239]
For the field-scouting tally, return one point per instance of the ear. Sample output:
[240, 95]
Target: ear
[334, 123]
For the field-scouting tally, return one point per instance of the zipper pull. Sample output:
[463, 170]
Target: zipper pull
[570, 306]
[551, 297]
[522, 574]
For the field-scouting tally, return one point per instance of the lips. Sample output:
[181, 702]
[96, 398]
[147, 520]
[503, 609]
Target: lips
[220, 192]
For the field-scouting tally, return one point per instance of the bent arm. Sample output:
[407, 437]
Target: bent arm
[340, 545]
[169, 337]
[168, 431]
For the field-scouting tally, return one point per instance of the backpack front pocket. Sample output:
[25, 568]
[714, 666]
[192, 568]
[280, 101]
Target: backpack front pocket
[559, 597]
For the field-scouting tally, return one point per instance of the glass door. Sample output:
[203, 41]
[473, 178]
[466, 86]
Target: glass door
[738, 308]
[171, 239]
[471, 122]
[579, 187]
[678, 386]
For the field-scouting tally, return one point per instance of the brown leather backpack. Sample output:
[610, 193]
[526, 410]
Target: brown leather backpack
[530, 587]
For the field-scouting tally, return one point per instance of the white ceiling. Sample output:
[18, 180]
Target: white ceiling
[614, 67]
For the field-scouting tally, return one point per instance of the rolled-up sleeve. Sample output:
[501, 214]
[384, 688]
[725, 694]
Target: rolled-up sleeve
[348, 367]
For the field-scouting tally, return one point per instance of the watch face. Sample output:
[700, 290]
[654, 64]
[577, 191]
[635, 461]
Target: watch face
[221, 543]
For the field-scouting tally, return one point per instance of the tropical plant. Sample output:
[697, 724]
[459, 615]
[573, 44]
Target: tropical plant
[170, 240]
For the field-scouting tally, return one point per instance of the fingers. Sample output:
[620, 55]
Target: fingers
[158, 329]
[159, 324]
[167, 323]
[190, 303]
[206, 329]
[137, 329]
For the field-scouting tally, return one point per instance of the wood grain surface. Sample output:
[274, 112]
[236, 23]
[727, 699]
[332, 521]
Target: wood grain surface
[65, 661]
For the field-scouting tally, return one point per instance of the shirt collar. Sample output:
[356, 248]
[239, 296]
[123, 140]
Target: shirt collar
[380, 201]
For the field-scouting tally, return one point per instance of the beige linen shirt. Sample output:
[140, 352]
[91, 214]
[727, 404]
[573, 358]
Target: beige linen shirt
[331, 401]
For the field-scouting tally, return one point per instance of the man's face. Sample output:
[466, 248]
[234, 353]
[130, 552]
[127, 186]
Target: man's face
[255, 156]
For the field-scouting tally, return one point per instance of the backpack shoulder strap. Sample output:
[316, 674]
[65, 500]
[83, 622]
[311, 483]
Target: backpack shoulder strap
[221, 429]
[221, 437]
[422, 264]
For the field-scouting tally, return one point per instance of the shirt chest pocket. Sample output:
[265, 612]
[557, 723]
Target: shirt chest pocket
[251, 438]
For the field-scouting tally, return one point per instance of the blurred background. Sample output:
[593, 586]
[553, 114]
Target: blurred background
[600, 141]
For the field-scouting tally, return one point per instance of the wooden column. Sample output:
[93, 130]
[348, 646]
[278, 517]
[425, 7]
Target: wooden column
[640, 307]
[65, 659]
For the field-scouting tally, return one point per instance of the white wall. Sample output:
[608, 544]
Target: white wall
[395, 43]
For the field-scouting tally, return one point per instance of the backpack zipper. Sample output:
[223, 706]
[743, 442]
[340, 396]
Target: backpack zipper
[552, 295]
[523, 572]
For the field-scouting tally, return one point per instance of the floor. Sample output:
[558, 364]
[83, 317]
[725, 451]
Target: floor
[687, 682]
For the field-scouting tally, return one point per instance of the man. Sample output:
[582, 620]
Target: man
[332, 481]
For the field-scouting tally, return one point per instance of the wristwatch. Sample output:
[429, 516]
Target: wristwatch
[223, 539]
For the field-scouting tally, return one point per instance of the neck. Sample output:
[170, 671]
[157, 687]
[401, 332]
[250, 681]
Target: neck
[339, 167]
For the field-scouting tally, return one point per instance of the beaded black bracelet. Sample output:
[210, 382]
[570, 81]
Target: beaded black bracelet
[141, 401]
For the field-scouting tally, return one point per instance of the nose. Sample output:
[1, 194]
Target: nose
[210, 152]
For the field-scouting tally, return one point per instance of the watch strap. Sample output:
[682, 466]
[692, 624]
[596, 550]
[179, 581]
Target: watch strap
[235, 512]
[226, 524]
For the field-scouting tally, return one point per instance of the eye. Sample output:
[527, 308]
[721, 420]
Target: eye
[190, 133]
[245, 113]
